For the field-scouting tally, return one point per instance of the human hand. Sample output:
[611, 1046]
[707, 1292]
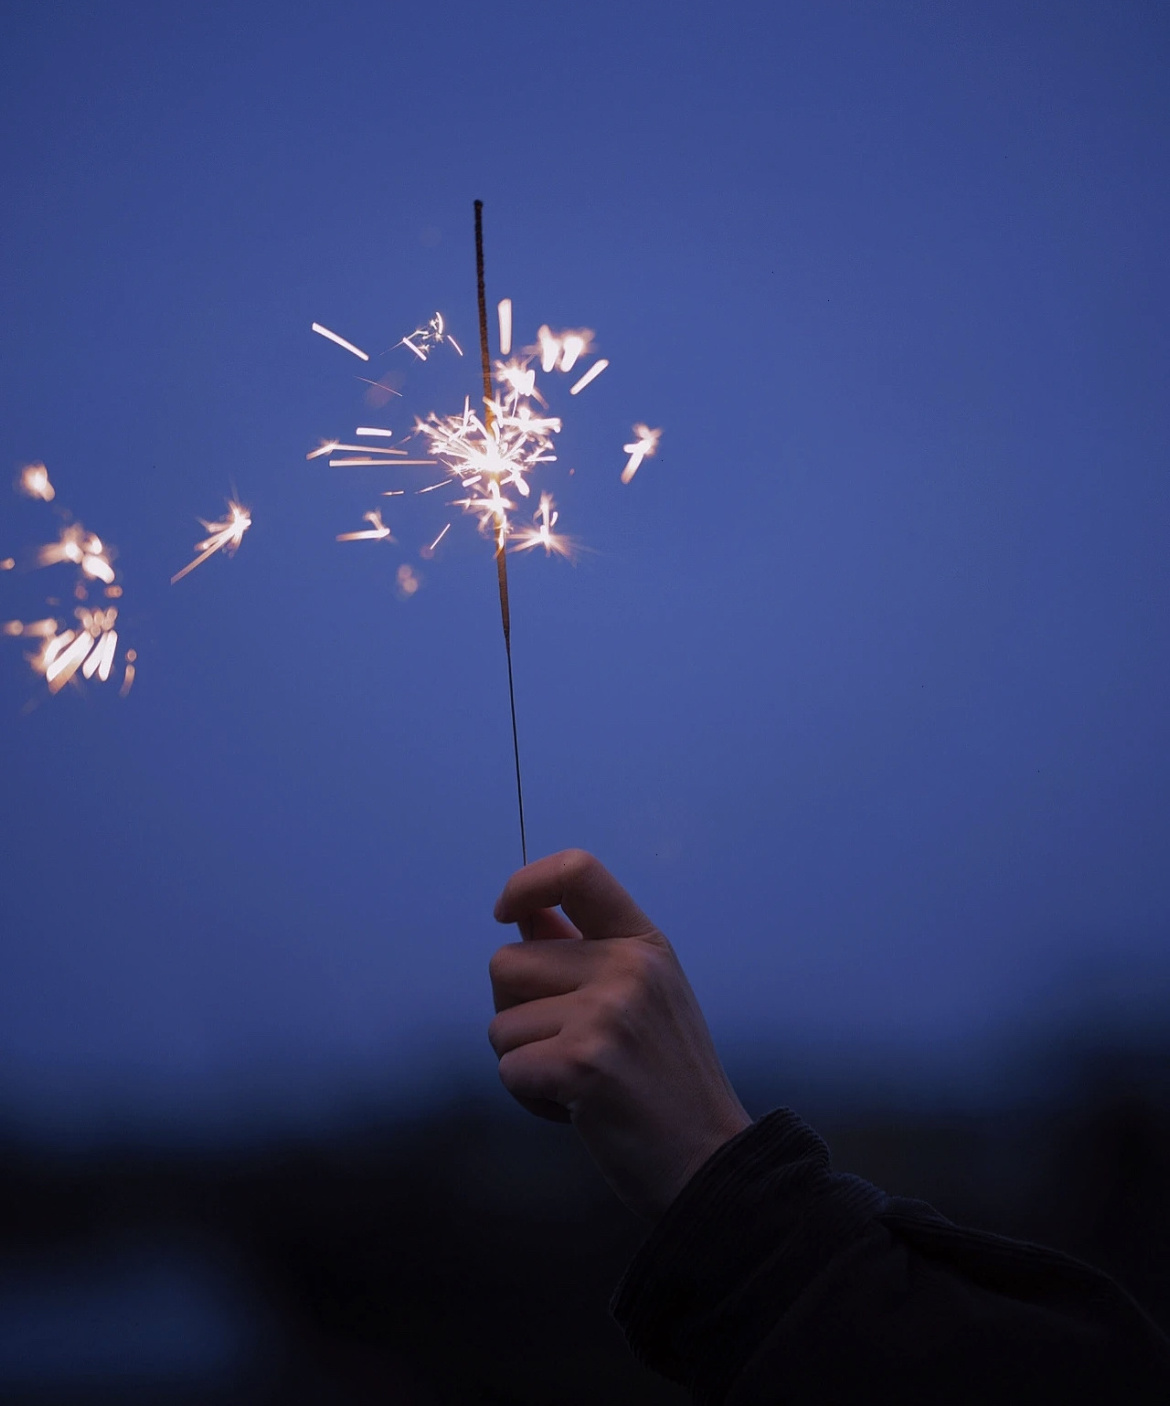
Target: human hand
[597, 1025]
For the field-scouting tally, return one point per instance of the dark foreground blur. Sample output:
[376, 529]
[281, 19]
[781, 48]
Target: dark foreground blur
[469, 1256]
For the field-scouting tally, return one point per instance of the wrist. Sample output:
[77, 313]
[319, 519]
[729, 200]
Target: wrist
[695, 1157]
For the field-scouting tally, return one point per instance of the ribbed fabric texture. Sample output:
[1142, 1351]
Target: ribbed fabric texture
[773, 1280]
[701, 1294]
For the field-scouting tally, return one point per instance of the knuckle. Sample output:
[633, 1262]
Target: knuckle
[520, 1077]
[579, 862]
[588, 1064]
[617, 1012]
[509, 1074]
[502, 961]
[495, 1034]
[646, 961]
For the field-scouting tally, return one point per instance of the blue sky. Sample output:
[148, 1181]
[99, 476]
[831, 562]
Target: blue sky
[862, 688]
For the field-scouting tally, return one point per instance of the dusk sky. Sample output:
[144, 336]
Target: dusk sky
[862, 686]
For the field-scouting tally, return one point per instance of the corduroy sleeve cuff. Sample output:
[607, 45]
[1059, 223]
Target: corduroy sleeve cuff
[735, 1249]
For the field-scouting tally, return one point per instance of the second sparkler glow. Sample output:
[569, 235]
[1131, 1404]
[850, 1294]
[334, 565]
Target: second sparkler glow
[91, 648]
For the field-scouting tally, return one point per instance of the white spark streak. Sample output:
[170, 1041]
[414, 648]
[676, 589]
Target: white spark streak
[591, 375]
[642, 448]
[341, 342]
[376, 532]
[225, 536]
[67, 662]
[391, 463]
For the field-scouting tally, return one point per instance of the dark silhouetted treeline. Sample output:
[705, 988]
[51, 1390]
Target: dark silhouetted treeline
[468, 1256]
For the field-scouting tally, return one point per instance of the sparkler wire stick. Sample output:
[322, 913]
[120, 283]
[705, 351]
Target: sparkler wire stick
[501, 554]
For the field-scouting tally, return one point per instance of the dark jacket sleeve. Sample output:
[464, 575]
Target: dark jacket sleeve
[772, 1279]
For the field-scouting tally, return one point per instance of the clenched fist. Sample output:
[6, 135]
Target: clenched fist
[597, 1025]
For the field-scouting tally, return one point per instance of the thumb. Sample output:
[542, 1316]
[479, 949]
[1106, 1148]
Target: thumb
[590, 896]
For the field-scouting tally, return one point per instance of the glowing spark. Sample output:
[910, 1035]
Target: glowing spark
[492, 451]
[225, 536]
[408, 582]
[65, 662]
[430, 551]
[95, 565]
[543, 534]
[550, 348]
[34, 629]
[128, 676]
[379, 386]
[92, 647]
[327, 446]
[34, 483]
[101, 661]
[520, 380]
[368, 449]
[518, 441]
[7, 564]
[572, 346]
[390, 463]
[561, 350]
[341, 342]
[491, 508]
[429, 337]
[97, 622]
[393, 492]
[82, 549]
[643, 448]
[377, 532]
[591, 375]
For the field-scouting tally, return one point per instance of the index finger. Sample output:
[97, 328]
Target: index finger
[591, 898]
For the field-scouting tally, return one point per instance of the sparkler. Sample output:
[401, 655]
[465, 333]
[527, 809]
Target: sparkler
[225, 536]
[490, 406]
[487, 452]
